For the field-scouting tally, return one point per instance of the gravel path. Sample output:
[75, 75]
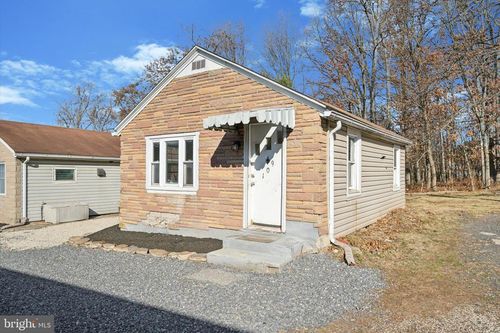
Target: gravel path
[93, 290]
[52, 235]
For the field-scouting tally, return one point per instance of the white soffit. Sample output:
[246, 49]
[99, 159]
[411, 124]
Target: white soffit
[277, 116]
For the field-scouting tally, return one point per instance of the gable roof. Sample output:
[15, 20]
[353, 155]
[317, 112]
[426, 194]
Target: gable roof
[325, 109]
[26, 139]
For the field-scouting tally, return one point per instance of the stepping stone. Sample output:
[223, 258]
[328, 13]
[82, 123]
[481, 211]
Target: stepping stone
[93, 245]
[121, 248]
[108, 246]
[81, 241]
[184, 255]
[487, 233]
[496, 241]
[132, 249]
[158, 253]
[73, 239]
[142, 250]
[199, 257]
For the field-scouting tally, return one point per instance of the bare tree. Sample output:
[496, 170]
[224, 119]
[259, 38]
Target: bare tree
[227, 41]
[473, 28]
[348, 40]
[127, 97]
[157, 69]
[281, 53]
[87, 109]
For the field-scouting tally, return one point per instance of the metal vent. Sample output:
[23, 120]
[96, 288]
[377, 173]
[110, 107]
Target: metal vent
[198, 64]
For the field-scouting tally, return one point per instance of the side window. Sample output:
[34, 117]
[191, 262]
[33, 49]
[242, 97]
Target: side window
[396, 167]
[2, 178]
[64, 175]
[353, 164]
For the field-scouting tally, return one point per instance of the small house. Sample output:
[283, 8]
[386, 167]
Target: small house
[47, 165]
[217, 146]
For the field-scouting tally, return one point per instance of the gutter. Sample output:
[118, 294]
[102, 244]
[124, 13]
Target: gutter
[69, 157]
[24, 219]
[357, 124]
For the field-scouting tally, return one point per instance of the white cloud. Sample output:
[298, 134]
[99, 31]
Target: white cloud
[259, 3]
[10, 95]
[144, 54]
[311, 8]
[29, 83]
[25, 67]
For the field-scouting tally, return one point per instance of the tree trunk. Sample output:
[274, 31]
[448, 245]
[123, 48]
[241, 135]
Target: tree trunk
[442, 176]
[485, 153]
[432, 166]
[418, 177]
[469, 170]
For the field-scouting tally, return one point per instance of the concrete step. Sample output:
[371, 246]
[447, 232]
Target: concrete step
[272, 244]
[248, 260]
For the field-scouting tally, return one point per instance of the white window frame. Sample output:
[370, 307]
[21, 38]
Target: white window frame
[4, 179]
[396, 168]
[356, 189]
[163, 186]
[75, 174]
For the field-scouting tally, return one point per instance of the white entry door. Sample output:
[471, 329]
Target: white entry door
[265, 174]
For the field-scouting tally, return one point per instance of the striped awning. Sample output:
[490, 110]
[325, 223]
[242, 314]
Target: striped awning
[277, 116]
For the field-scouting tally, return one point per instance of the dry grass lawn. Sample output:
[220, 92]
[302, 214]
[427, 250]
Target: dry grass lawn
[429, 258]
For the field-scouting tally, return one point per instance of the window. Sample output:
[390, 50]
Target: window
[172, 162]
[2, 178]
[64, 174]
[353, 164]
[198, 64]
[396, 167]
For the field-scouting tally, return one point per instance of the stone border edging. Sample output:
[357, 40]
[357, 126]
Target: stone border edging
[82, 241]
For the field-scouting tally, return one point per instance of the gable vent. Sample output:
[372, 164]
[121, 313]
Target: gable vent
[198, 64]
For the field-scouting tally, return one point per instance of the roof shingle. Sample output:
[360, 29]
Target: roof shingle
[53, 140]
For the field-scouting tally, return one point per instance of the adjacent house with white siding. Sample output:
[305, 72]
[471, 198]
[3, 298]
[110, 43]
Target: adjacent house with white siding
[47, 165]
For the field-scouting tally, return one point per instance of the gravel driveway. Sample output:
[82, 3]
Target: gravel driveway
[52, 235]
[92, 290]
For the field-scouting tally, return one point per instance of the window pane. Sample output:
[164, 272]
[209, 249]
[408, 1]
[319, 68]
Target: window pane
[395, 157]
[2, 178]
[155, 172]
[188, 173]
[189, 150]
[65, 174]
[352, 175]
[156, 151]
[172, 174]
[352, 149]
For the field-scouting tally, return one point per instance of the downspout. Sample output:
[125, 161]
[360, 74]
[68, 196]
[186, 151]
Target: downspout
[25, 190]
[349, 258]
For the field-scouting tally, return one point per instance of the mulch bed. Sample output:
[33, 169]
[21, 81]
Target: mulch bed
[170, 243]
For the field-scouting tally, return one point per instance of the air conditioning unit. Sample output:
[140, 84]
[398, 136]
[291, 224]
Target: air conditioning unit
[65, 212]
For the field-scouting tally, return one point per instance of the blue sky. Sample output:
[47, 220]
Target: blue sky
[47, 47]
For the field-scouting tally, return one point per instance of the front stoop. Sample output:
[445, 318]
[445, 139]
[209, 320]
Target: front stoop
[259, 251]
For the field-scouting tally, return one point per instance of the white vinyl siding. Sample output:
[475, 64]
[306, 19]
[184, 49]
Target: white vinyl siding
[102, 194]
[378, 197]
[3, 182]
[172, 163]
